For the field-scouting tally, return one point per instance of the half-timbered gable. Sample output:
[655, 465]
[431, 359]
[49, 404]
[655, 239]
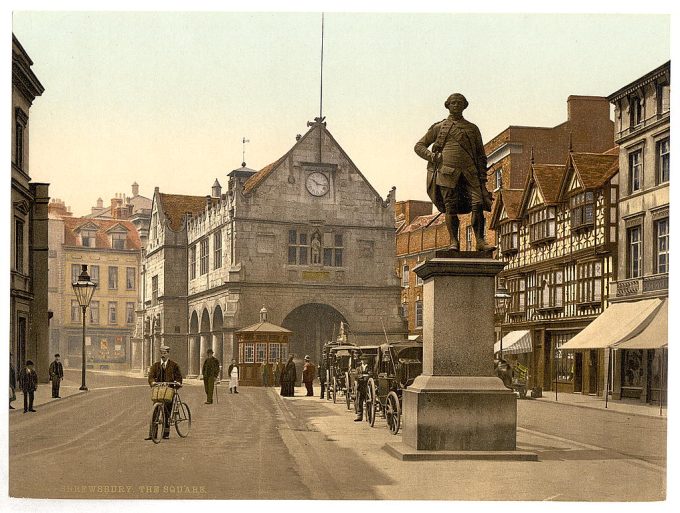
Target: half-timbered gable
[559, 274]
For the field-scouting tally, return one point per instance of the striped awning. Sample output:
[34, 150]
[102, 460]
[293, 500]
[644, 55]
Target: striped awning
[515, 342]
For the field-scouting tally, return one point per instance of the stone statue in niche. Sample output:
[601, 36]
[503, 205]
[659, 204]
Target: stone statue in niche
[316, 248]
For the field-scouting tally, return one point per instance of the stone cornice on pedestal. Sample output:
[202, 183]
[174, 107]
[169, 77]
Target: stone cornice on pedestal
[458, 267]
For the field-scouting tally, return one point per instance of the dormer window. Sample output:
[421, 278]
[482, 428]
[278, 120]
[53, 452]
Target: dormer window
[88, 238]
[582, 210]
[118, 240]
[509, 237]
[542, 224]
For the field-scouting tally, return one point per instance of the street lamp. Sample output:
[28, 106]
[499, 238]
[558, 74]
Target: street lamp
[502, 298]
[84, 290]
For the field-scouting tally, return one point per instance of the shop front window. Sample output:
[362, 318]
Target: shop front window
[563, 360]
[633, 371]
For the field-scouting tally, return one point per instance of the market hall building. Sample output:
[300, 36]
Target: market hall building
[307, 237]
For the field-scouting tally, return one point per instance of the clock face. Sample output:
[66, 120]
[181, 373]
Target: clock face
[317, 184]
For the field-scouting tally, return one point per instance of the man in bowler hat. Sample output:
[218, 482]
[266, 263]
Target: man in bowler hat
[211, 369]
[28, 381]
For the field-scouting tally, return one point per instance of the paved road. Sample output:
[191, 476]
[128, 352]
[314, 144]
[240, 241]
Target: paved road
[257, 445]
[97, 440]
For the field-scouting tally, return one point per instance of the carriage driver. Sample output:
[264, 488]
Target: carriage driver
[362, 382]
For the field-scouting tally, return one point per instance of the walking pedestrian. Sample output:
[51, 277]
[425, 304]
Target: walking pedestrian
[362, 383]
[266, 373]
[211, 369]
[28, 382]
[56, 372]
[322, 374]
[288, 378]
[308, 371]
[233, 377]
[12, 383]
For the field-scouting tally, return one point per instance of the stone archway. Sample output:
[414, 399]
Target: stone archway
[312, 324]
[205, 339]
[194, 341]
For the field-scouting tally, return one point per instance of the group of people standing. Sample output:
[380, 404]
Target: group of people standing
[28, 382]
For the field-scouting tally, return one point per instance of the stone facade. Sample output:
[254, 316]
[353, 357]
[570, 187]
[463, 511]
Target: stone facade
[642, 116]
[28, 229]
[307, 236]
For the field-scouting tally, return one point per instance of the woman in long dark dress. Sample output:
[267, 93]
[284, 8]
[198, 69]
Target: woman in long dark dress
[288, 378]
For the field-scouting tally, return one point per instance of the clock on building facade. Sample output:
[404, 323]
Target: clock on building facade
[317, 184]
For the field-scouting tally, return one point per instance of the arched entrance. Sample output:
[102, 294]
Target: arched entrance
[194, 341]
[312, 325]
[218, 336]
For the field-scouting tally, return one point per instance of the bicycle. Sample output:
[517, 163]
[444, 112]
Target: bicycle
[180, 414]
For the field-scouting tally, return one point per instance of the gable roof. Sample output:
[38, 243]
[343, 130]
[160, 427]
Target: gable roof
[176, 206]
[591, 170]
[266, 171]
[422, 221]
[547, 178]
[102, 237]
[511, 201]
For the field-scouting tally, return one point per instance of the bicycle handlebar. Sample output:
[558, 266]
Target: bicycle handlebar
[175, 384]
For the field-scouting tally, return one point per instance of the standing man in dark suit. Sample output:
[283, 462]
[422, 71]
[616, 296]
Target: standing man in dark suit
[211, 369]
[56, 375]
[165, 371]
[28, 381]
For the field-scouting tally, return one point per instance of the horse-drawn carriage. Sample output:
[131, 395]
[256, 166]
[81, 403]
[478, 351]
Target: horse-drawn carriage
[337, 362]
[397, 365]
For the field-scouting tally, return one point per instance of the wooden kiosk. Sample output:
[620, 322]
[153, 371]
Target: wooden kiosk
[259, 343]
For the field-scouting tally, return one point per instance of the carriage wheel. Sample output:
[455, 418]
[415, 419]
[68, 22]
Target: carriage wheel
[335, 389]
[355, 392]
[372, 402]
[348, 393]
[393, 412]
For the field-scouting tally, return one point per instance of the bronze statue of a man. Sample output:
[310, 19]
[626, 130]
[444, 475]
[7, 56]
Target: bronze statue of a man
[456, 172]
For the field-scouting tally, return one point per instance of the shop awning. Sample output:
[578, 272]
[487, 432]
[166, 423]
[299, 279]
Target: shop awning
[515, 342]
[653, 336]
[621, 321]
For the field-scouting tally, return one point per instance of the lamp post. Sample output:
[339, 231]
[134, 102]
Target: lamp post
[84, 290]
[502, 298]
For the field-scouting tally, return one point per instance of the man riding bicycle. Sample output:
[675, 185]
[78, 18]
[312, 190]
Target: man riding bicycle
[164, 371]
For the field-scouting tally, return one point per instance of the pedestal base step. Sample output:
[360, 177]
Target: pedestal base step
[406, 453]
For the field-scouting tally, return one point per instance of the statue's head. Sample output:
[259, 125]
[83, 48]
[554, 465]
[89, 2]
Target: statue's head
[458, 98]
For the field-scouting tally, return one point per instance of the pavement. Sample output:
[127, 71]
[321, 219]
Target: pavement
[625, 406]
[259, 445]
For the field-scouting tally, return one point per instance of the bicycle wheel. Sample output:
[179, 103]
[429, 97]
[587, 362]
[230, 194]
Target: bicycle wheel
[157, 422]
[183, 420]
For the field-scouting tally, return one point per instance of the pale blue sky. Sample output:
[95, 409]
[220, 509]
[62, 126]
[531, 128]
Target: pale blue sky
[165, 98]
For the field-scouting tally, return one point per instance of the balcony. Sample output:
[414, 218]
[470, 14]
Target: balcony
[651, 284]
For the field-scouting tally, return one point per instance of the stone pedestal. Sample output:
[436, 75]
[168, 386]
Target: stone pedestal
[458, 408]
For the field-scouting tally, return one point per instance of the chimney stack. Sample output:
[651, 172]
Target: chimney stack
[135, 189]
